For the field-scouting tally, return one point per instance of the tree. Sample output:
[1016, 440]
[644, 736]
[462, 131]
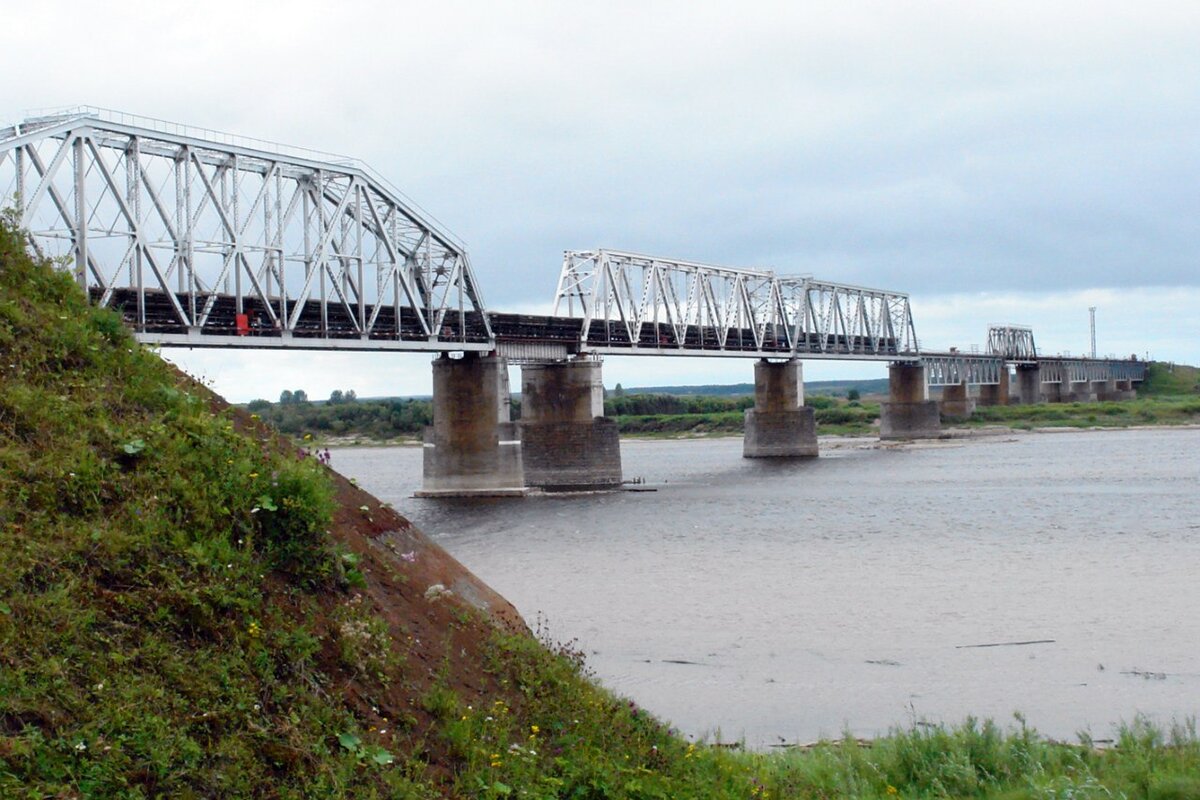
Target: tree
[853, 394]
[350, 396]
[258, 405]
[336, 397]
[286, 397]
[619, 391]
[299, 396]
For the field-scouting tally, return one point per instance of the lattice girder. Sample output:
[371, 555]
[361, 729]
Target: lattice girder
[632, 301]
[195, 234]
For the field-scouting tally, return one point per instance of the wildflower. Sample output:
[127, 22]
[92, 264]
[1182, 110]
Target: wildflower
[253, 475]
[410, 556]
[892, 789]
[534, 729]
[80, 746]
[253, 630]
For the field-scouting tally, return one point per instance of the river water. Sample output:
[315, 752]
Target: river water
[782, 602]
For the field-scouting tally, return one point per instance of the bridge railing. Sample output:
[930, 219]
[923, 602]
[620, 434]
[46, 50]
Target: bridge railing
[197, 235]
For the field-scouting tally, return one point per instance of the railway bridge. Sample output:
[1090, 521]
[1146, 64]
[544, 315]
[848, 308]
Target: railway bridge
[204, 239]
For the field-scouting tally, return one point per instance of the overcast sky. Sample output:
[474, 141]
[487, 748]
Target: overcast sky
[1001, 162]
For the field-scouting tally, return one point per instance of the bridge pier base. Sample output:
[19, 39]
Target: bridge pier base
[472, 449]
[1052, 392]
[956, 402]
[1103, 390]
[568, 443]
[779, 425]
[908, 413]
[1029, 385]
[1123, 390]
[1080, 391]
[995, 394]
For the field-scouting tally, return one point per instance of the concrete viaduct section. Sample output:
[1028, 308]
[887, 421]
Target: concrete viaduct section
[1043, 380]
[779, 425]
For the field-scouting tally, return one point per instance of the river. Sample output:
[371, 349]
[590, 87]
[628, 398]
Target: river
[785, 601]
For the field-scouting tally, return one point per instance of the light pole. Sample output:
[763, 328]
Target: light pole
[1092, 311]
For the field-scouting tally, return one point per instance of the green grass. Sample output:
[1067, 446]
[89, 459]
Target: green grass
[1170, 379]
[176, 621]
[1155, 410]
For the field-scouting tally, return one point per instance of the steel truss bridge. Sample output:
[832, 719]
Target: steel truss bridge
[203, 239]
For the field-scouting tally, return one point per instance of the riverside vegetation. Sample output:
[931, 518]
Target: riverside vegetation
[189, 607]
[1169, 396]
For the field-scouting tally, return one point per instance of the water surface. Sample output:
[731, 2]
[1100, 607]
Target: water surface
[840, 594]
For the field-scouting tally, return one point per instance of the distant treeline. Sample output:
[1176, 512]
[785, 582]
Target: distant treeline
[382, 419]
[840, 388]
[369, 419]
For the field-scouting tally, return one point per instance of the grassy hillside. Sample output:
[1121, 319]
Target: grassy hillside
[1170, 379]
[192, 607]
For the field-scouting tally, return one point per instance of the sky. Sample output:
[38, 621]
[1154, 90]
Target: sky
[1006, 162]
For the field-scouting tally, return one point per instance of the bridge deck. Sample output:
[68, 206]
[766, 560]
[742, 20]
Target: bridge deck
[339, 330]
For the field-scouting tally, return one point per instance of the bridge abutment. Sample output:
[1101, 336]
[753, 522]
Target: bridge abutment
[1103, 390]
[908, 413]
[568, 443]
[472, 448]
[956, 402]
[995, 394]
[1029, 385]
[779, 425]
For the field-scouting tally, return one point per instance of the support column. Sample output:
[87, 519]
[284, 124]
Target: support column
[956, 403]
[1029, 385]
[472, 448]
[1124, 390]
[1103, 390]
[995, 394]
[908, 413]
[1052, 392]
[1080, 392]
[569, 445]
[779, 425]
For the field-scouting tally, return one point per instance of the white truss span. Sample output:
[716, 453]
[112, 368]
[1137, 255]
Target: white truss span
[1012, 342]
[659, 306]
[952, 369]
[208, 239]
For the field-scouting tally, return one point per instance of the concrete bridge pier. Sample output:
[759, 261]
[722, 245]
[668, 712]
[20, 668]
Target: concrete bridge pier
[568, 443]
[1029, 385]
[779, 425]
[908, 413]
[1103, 390]
[472, 448]
[1052, 392]
[1079, 392]
[995, 394]
[1124, 390]
[956, 402]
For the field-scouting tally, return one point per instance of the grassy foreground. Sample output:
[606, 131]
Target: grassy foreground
[189, 607]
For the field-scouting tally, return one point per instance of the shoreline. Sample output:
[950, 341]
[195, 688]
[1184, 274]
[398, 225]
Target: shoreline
[834, 440]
